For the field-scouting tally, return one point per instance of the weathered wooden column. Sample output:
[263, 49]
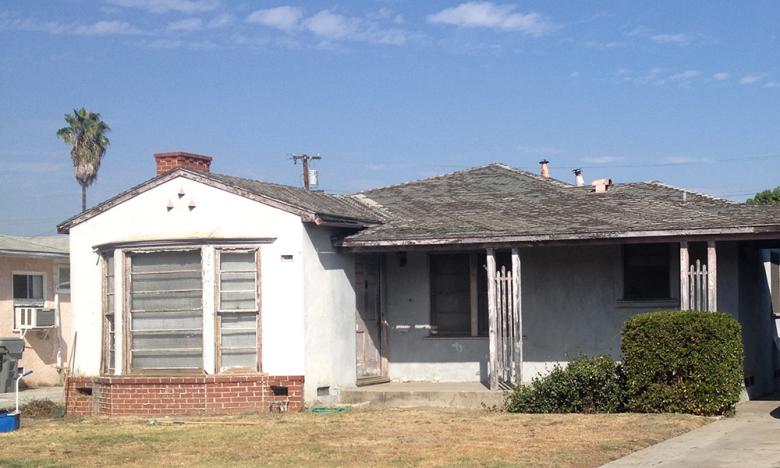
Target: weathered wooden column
[517, 307]
[712, 277]
[492, 320]
[685, 290]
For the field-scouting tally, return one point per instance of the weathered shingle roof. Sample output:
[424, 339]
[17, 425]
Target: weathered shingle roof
[316, 202]
[50, 246]
[497, 202]
[310, 205]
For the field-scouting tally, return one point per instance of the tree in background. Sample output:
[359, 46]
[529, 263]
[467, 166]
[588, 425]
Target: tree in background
[86, 132]
[767, 197]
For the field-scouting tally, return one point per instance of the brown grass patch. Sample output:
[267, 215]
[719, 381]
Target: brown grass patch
[424, 437]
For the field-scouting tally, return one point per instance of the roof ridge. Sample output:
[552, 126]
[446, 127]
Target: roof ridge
[552, 180]
[685, 190]
[460, 171]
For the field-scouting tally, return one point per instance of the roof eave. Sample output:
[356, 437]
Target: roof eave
[746, 232]
[25, 253]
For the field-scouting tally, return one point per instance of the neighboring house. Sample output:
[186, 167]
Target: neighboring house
[34, 287]
[199, 292]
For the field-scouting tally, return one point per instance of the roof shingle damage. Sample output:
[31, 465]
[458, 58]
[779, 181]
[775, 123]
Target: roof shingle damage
[499, 202]
[490, 204]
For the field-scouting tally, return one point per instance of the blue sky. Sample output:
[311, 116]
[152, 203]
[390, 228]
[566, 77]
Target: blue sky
[388, 91]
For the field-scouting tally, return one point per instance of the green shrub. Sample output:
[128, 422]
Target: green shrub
[682, 362]
[586, 385]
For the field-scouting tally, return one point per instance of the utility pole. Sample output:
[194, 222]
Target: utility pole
[305, 158]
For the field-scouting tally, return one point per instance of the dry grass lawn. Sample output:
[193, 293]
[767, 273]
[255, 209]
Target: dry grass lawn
[425, 437]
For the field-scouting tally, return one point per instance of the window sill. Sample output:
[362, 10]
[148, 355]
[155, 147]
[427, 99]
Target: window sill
[647, 303]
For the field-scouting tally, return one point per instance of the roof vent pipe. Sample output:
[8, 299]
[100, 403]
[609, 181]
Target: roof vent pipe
[601, 185]
[579, 180]
[544, 168]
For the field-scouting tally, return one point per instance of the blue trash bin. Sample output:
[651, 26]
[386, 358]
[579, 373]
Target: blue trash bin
[9, 420]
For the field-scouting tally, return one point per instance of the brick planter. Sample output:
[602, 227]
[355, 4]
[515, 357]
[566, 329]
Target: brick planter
[162, 396]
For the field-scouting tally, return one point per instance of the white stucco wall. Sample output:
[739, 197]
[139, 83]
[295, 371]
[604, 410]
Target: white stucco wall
[569, 303]
[329, 319]
[217, 215]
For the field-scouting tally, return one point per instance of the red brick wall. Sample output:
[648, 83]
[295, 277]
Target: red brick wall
[170, 161]
[78, 399]
[159, 396]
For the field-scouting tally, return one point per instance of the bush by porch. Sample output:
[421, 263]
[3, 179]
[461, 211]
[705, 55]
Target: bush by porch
[674, 362]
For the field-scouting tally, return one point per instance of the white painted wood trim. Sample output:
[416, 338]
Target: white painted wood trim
[712, 277]
[685, 302]
[119, 311]
[492, 319]
[209, 273]
[517, 306]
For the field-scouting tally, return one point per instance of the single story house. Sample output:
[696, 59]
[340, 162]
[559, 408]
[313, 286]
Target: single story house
[196, 292]
[35, 303]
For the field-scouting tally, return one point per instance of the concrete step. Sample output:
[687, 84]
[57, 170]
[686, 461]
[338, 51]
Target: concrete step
[412, 394]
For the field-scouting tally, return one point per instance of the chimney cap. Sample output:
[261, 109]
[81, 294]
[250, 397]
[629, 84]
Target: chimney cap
[182, 154]
[182, 160]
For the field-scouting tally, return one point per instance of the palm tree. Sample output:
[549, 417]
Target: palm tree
[87, 133]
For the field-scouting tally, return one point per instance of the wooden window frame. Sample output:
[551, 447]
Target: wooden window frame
[218, 312]
[106, 366]
[127, 312]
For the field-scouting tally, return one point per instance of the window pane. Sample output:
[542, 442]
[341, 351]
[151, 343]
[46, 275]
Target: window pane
[35, 286]
[63, 274]
[179, 359]
[646, 271]
[244, 359]
[20, 287]
[166, 317]
[239, 340]
[450, 294]
[28, 287]
[238, 281]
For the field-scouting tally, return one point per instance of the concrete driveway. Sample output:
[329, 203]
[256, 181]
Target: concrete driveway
[751, 438]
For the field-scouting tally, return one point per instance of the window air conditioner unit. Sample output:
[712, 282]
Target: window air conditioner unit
[30, 318]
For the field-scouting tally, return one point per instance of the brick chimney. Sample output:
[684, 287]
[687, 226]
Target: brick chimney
[179, 159]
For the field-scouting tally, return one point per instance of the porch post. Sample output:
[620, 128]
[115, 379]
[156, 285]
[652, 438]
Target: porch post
[712, 277]
[685, 303]
[517, 307]
[492, 319]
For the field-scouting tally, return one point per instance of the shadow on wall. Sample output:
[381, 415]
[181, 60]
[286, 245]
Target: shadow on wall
[759, 328]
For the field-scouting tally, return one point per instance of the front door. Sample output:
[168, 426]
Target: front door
[368, 324]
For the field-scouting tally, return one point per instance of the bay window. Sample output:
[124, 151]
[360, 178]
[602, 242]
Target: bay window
[188, 309]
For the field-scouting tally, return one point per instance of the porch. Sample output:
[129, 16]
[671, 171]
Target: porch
[499, 316]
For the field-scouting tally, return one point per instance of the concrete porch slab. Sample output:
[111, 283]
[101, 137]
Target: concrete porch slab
[424, 394]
